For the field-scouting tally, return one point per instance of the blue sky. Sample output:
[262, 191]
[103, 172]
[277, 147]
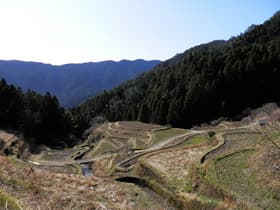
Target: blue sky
[72, 31]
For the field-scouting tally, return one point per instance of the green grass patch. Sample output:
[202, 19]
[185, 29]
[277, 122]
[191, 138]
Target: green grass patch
[232, 171]
[275, 137]
[103, 146]
[20, 185]
[198, 139]
[162, 135]
[7, 201]
[212, 201]
[181, 185]
[61, 155]
[242, 140]
[234, 174]
[18, 162]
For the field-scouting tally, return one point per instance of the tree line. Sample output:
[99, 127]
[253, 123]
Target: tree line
[37, 116]
[221, 78]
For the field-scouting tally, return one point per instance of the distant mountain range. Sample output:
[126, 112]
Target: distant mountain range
[72, 83]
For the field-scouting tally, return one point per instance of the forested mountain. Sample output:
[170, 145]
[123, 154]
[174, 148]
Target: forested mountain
[72, 83]
[36, 116]
[221, 78]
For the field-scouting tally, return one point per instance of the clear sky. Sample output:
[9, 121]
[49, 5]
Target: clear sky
[71, 31]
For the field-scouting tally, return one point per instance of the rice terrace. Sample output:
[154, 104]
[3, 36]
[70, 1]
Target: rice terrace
[139, 105]
[226, 166]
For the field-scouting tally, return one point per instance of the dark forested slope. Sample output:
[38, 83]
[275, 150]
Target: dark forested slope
[221, 78]
[72, 83]
[36, 116]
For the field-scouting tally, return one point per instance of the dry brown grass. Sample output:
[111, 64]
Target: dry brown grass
[99, 169]
[267, 165]
[41, 189]
[175, 162]
[34, 180]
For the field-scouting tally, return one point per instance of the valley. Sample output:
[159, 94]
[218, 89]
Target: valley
[198, 131]
[133, 165]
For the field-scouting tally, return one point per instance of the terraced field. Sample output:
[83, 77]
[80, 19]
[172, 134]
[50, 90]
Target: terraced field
[236, 141]
[61, 155]
[174, 165]
[233, 174]
[130, 137]
[225, 167]
[197, 140]
[163, 135]
[243, 176]
[102, 147]
[247, 184]
[24, 187]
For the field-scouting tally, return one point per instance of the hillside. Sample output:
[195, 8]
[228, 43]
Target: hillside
[38, 117]
[221, 78]
[72, 83]
[133, 165]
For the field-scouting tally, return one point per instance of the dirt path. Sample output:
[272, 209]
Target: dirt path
[162, 144]
[125, 164]
[137, 153]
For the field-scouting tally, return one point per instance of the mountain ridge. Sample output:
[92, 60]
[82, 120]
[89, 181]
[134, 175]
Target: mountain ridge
[72, 83]
[217, 79]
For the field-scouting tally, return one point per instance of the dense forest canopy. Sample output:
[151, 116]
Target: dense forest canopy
[221, 78]
[37, 116]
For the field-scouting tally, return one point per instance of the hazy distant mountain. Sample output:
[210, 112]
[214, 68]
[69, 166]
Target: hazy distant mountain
[72, 83]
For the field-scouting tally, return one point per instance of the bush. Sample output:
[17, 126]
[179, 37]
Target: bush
[211, 134]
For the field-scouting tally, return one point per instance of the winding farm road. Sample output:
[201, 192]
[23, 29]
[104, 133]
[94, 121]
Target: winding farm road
[167, 143]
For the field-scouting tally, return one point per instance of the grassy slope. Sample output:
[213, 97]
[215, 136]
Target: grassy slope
[232, 178]
[231, 173]
[8, 202]
[198, 139]
[36, 189]
[103, 146]
[162, 135]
